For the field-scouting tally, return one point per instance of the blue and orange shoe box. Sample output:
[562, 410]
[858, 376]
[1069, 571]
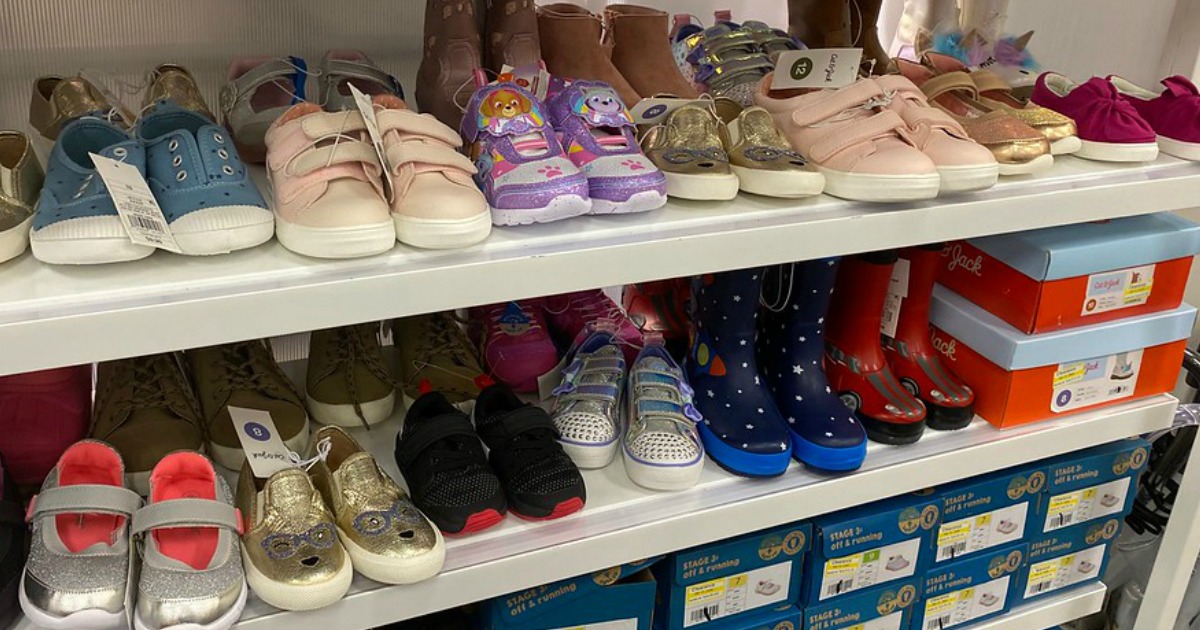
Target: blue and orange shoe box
[731, 581]
[970, 590]
[1076, 275]
[622, 595]
[887, 607]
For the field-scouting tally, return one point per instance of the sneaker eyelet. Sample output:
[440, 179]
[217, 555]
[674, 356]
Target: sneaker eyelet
[218, 138]
[120, 152]
[177, 160]
[173, 144]
[180, 176]
[227, 170]
[223, 154]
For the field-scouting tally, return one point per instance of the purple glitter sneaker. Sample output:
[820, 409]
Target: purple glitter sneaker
[598, 134]
[523, 170]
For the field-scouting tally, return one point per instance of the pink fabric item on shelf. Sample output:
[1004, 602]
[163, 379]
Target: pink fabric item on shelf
[1099, 112]
[41, 415]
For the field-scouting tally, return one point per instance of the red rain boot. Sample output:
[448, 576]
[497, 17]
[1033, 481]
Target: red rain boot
[854, 361]
[949, 402]
[661, 306]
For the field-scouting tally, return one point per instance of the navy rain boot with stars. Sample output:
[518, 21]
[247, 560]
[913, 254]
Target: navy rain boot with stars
[791, 348]
[742, 429]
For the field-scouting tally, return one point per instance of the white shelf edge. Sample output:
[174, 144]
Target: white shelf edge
[1049, 612]
[120, 310]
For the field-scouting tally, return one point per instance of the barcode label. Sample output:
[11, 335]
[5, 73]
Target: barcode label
[1040, 587]
[840, 586]
[147, 224]
[938, 623]
[139, 210]
[707, 613]
[1066, 518]
[954, 550]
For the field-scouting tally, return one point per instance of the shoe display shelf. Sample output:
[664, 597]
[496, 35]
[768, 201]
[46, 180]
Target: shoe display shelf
[55, 315]
[1048, 613]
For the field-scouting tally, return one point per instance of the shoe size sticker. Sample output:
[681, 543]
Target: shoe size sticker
[817, 68]
[896, 292]
[984, 531]
[1093, 381]
[876, 566]
[1118, 289]
[367, 109]
[1055, 573]
[730, 595]
[139, 210]
[1071, 508]
[961, 606]
[265, 450]
[616, 624]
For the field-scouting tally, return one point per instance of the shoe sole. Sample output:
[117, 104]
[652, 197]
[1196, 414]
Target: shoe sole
[82, 620]
[740, 462]
[232, 458]
[702, 187]
[588, 456]
[561, 207]
[478, 522]
[890, 432]
[222, 239]
[298, 598]
[1065, 146]
[663, 477]
[342, 242]
[342, 415]
[224, 622]
[389, 570]
[1117, 151]
[1039, 164]
[880, 188]
[826, 458]
[442, 233]
[638, 202]
[85, 251]
[1177, 148]
[14, 242]
[783, 184]
[564, 508]
[955, 179]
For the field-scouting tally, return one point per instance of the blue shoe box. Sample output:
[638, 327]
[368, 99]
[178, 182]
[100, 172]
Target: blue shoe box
[988, 511]
[785, 617]
[1091, 484]
[731, 579]
[870, 545]
[619, 597]
[887, 607]
[967, 591]
[1068, 557]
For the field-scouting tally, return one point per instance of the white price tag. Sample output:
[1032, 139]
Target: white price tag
[265, 451]
[139, 211]
[651, 111]
[367, 109]
[897, 291]
[817, 68]
[532, 78]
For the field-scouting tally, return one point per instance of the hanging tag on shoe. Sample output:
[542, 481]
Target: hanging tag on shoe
[265, 451]
[367, 109]
[817, 68]
[533, 78]
[139, 210]
[653, 110]
[896, 292]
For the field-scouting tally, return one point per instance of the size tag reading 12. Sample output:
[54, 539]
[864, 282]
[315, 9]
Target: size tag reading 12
[817, 68]
[139, 211]
[265, 451]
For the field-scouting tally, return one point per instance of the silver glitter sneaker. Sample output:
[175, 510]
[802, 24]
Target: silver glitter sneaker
[78, 565]
[191, 575]
[587, 406]
[662, 445]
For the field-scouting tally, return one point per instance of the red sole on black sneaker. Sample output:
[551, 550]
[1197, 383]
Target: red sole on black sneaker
[478, 522]
[570, 506]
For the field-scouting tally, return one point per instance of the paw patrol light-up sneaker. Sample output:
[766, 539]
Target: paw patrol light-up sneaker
[523, 170]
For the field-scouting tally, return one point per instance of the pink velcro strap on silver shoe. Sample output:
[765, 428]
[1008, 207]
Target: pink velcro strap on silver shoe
[835, 102]
[186, 513]
[84, 499]
[838, 138]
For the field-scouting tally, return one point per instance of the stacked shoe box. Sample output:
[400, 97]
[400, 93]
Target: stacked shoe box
[1087, 496]
[887, 607]
[743, 583]
[618, 597]
[1058, 320]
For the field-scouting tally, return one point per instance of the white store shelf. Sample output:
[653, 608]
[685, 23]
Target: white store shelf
[623, 522]
[1049, 612]
[52, 316]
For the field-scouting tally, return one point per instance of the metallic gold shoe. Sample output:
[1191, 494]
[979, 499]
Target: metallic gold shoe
[388, 538]
[1058, 130]
[761, 157]
[171, 82]
[689, 149]
[291, 550]
[18, 192]
[59, 100]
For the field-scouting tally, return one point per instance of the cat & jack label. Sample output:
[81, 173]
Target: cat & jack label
[1070, 508]
[1118, 289]
[733, 594]
[959, 607]
[850, 573]
[983, 531]
[1094, 381]
[1055, 573]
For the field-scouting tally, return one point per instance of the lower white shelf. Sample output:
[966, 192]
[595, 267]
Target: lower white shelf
[1049, 612]
[623, 522]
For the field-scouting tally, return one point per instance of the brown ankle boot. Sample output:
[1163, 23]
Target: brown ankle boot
[445, 80]
[863, 25]
[820, 23]
[642, 51]
[570, 39]
[512, 34]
